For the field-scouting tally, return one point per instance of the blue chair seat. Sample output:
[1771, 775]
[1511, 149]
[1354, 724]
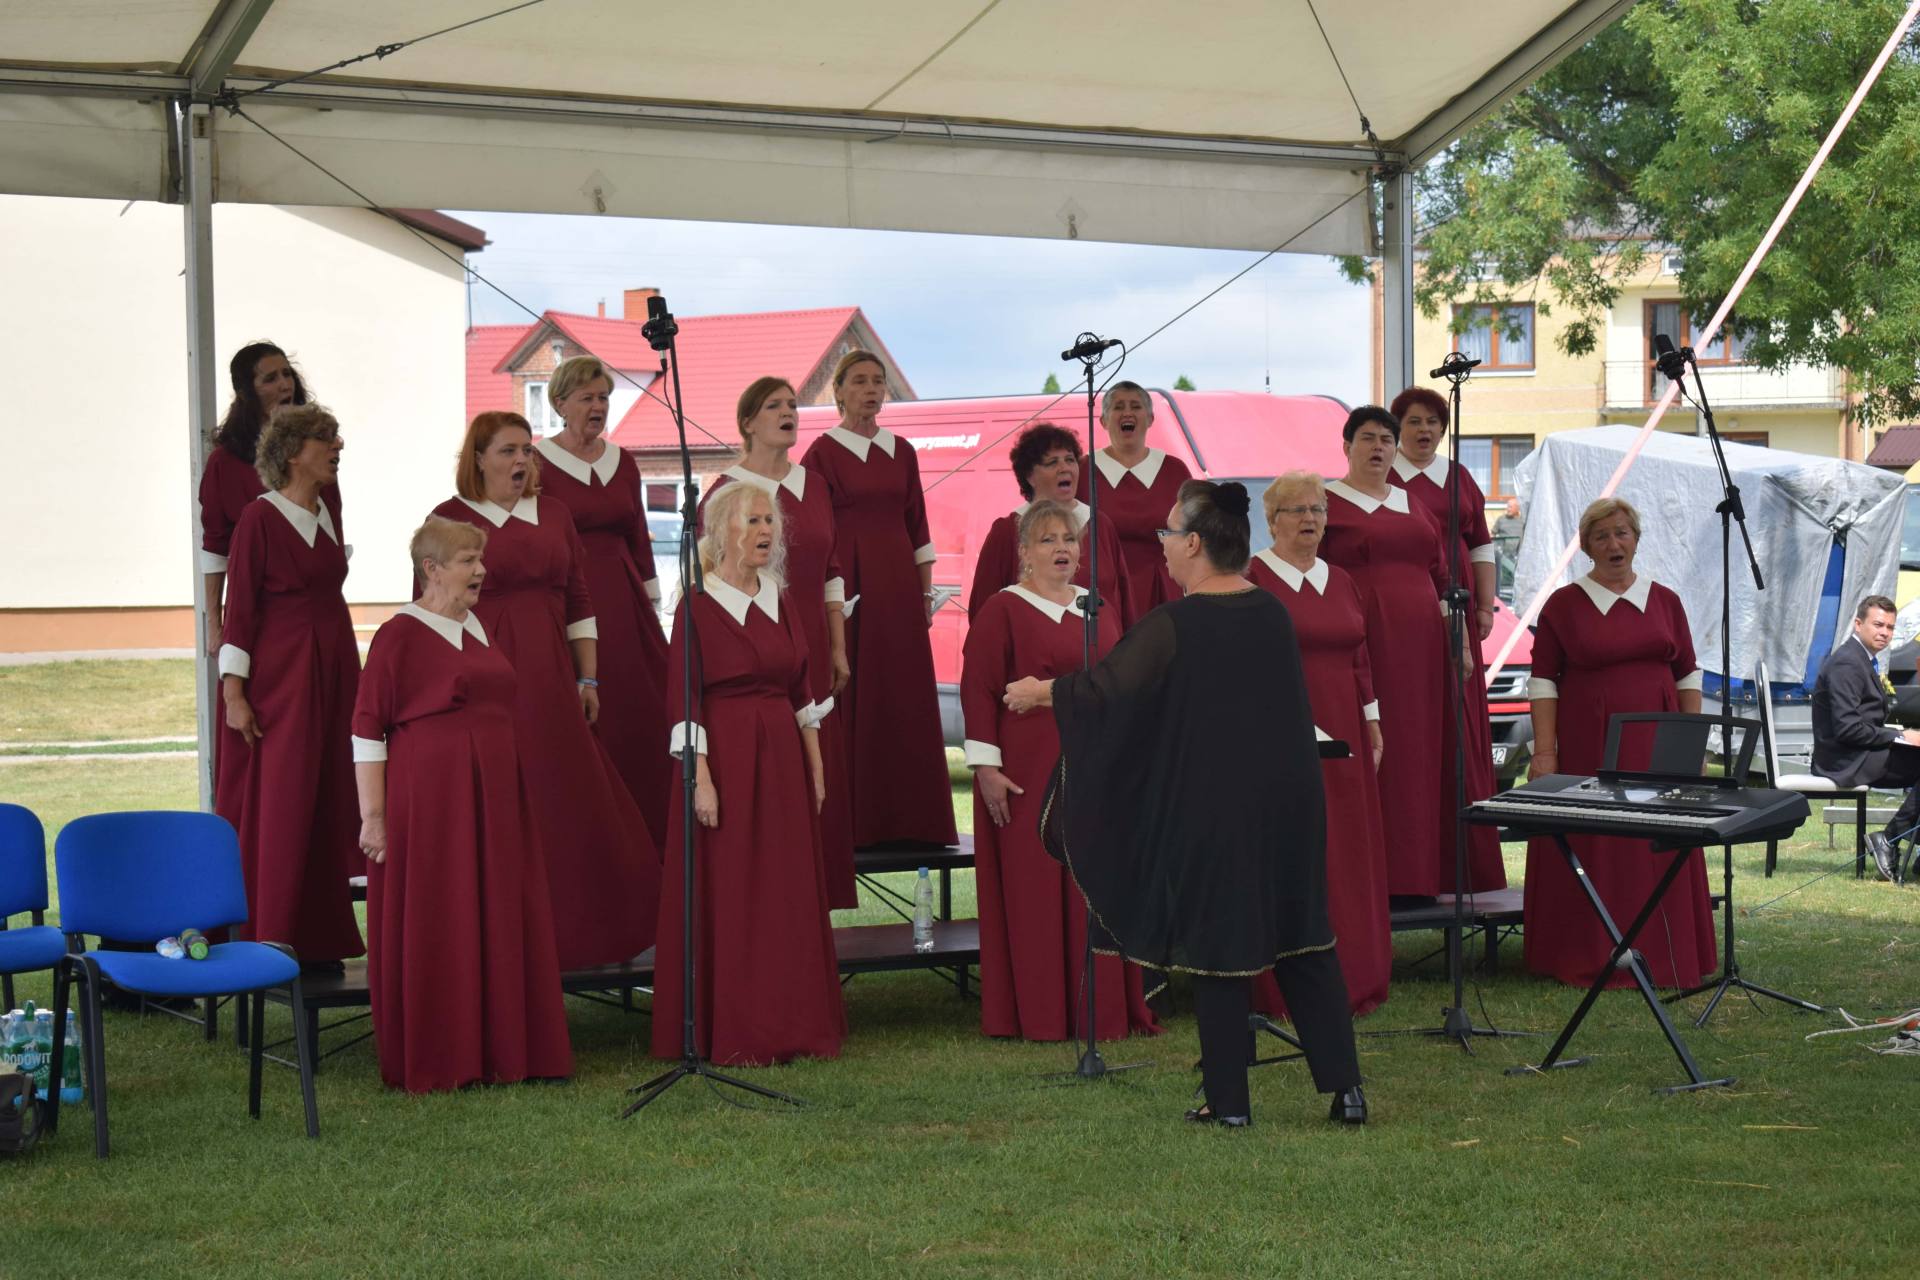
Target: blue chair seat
[37, 947]
[229, 966]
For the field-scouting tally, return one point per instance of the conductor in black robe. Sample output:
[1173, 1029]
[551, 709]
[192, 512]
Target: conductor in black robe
[1188, 806]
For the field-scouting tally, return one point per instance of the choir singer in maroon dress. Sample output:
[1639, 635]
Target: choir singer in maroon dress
[288, 670]
[1046, 466]
[600, 485]
[768, 416]
[1330, 623]
[1392, 550]
[1137, 485]
[464, 979]
[767, 984]
[1427, 478]
[885, 552]
[603, 870]
[1610, 643]
[1033, 922]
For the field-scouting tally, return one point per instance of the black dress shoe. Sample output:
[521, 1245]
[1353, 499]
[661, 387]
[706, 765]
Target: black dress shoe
[1349, 1107]
[1883, 854]
[1204, 1115]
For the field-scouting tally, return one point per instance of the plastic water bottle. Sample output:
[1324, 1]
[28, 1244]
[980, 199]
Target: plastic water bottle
[923, 913]
[171, 948]
[12, 1047]
[72, 1086]
[43, 1050]
[21, 1047]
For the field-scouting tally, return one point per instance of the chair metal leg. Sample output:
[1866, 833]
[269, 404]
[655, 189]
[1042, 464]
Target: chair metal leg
[6, 991]
[50, 1113]
[212, 1018]
[1773, 852]
[96, 1050]
[304, 1037]
[257, 1051]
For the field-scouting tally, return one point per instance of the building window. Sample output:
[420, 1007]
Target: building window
[663, 496]
[1493, 460]
[544, 419]
[1498, 337]
[1745, 437]
[1669, 316]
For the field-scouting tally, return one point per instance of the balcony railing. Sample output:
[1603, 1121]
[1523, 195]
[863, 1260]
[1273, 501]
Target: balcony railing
[1635, 384]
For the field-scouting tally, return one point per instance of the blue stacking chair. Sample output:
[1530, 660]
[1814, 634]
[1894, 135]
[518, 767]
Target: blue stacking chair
[142, 877]
[23, 887]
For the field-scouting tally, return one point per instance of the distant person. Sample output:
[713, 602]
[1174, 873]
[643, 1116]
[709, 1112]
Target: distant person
[1852, 742]
[1137, 485]
[1510, 527]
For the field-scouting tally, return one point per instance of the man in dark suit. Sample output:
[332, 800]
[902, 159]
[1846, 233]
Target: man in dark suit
[1852, 742]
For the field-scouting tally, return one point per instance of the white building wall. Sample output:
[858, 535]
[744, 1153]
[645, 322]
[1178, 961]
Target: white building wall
[92, 319]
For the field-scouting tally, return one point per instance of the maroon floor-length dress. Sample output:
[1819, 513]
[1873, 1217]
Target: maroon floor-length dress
[999, 564]
[813, 582]
[1391, 549]
[291, 796]
[1330, 623]
[462, 972]
[895, 747]
[603, 869]
[1137, 500]
[1033, 919]
[1604, 654]
[604, 499]
[767, 981]
[1428, 489]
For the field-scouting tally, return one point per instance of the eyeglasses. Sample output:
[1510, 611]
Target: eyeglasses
[1172, 533]
[1315, 509]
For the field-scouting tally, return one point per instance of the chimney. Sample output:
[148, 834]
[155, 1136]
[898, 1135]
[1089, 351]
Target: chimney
[635, 305]
[600, 308]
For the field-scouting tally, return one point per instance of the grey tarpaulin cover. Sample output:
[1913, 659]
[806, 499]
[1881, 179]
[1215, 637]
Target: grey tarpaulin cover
[1797, 505]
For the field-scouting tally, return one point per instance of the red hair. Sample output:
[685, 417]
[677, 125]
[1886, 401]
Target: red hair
[1426, 398]
[480, 433]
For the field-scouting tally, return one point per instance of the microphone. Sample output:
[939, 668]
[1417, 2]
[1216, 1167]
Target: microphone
[1088, 347]
[1455, 365]
[1673, 364]
[661, 327]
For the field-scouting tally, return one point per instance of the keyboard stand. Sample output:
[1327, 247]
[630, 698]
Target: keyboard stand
[1623, 948]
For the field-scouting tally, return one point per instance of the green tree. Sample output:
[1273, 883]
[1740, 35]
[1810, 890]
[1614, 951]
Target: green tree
[1183, 383]
[1051, 386]
[1683, 127]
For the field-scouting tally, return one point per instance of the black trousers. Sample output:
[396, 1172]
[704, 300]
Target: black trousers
[1902, 770]
[1316, 996]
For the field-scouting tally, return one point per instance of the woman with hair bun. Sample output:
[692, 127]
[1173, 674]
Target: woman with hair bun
[289, 669]
[895, 745]
[600, 486]
[768, 982]
[1188, 806]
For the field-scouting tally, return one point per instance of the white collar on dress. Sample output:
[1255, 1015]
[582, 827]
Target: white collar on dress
[1081, 511]
[1315, 577]
[1603, 597]
[1146, 471]
[305, 523]
[794, 482]
[446, 628]
[858, 445]
[736, 602]
[527, 509]
[1435, 471]
[601, 468]
[1396, 499]
[1054, 612]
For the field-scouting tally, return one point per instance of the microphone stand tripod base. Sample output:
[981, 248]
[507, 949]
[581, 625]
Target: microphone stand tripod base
[1092, 1066]
[686, 1067]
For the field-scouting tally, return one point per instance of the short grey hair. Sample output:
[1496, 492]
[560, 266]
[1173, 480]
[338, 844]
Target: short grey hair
[1106, 398]
[285, 434]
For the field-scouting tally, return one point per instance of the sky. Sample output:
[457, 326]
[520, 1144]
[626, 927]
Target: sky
[963, 315]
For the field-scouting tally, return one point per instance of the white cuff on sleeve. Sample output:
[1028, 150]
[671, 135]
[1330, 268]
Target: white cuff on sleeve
[211, 563]
[1372, 710]
[1693, 682]
[836, 590]
[810, 716]
[1482, 555]
[369, 750]
[982, 753]
[678, 739]
[585, 629]
[1541, 687]
[1443, 608]
[652, 587]
[235, 662]
[348, 551]
[1321, 735]
[925, 555]
[846, 610]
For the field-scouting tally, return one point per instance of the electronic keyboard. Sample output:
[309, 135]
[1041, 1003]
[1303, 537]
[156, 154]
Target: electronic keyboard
[1667, 813]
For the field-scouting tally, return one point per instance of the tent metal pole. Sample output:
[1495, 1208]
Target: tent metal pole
[193, 140]
[1396, 266]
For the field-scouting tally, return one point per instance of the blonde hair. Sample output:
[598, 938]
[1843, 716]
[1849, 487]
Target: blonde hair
[571, 375]
[1606, 508]
[726, 511]
[1291, 482]
[1035, 520]
[467, 480]
[285, 434]
[441, 539]
[858, 355]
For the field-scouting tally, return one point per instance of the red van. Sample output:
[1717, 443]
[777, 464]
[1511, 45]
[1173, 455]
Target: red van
[1222, 435]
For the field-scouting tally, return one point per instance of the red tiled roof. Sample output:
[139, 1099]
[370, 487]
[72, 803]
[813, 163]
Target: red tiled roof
[487, 387]
[617, 342]
[1897, 447]
[722, 355]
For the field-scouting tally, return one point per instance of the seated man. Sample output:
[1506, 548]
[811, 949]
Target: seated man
[1852, 742]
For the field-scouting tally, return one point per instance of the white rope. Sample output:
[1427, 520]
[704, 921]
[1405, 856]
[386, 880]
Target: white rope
[1904, 1042]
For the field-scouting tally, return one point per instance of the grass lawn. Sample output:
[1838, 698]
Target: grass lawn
[929, 1151]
